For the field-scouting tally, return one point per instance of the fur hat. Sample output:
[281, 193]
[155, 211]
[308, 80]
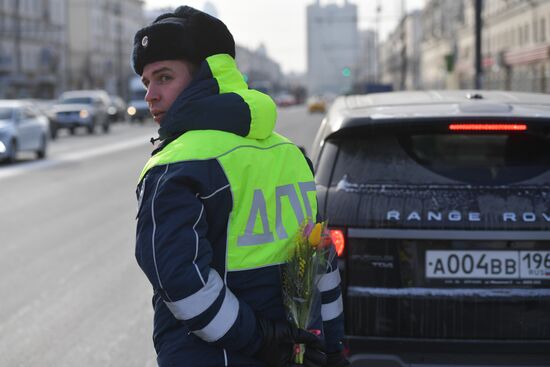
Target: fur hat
[187, 34]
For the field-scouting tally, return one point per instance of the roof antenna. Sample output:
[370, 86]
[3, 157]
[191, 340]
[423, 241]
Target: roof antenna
[474, 96]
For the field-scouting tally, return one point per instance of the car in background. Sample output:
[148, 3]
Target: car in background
[45, 107]
[117, 109]
[316, 104]
[137, 110]
[22, 128]
[82, 108]
[439, 207]
[285, 100]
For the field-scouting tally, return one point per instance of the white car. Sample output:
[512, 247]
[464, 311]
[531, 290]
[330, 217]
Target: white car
[22, 128]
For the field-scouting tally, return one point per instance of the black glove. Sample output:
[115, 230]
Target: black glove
[336, 359]
[278, 339]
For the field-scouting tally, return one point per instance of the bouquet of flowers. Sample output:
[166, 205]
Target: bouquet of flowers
[306, 263]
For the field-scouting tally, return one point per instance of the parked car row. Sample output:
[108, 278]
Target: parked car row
[27, 125]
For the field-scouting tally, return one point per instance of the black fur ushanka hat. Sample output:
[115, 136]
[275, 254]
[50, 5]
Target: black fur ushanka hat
[187, 34]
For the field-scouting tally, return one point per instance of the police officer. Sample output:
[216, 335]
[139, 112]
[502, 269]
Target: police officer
[218, 202]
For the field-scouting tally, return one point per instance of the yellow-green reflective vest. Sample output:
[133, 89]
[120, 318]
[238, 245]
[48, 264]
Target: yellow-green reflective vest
[272, 187]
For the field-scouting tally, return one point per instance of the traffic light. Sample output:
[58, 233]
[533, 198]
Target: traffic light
[346, 72]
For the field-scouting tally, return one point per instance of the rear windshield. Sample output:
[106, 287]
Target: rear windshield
[6, 113]
[490, 159]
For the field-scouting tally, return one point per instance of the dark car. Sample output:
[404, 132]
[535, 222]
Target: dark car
[138, 109]
[117, 109]
[439, 204]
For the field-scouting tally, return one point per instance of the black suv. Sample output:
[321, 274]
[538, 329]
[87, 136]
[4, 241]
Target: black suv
[439, 204]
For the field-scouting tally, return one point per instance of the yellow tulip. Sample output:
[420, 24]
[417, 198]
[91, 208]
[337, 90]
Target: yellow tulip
[315, 235]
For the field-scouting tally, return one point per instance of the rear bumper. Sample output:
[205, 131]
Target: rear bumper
[390, 352]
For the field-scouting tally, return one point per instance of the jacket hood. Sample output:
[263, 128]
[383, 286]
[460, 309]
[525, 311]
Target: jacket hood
[218, 98]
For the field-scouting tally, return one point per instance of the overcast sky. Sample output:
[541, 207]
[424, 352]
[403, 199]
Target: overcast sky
[281, 24]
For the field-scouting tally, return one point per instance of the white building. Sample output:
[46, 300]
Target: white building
[332, 47]
[101, 34]
[32, 48]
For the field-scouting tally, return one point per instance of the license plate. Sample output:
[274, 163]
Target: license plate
[487, 264]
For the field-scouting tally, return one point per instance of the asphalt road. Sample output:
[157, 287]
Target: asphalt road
[72, 293]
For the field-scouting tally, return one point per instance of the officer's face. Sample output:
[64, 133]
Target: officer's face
[164, 81]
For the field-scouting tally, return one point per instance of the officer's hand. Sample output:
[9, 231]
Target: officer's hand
[278, 339]
[336, 360]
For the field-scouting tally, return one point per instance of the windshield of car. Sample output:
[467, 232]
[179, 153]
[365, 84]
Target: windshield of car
[6, 113]
[77, 100]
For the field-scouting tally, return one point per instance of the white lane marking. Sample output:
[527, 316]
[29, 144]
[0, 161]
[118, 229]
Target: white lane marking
[71, 157]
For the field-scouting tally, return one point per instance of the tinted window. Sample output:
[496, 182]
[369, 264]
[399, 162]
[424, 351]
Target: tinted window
[325, 163]
[441, 158]
[492, 159]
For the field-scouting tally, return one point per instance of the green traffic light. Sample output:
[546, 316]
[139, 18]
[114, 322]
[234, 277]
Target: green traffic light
[346, 72]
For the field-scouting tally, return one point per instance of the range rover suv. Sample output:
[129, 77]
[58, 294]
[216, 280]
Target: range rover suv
[439, 205]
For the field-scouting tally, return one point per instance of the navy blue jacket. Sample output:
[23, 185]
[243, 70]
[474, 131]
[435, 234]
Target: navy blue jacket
[181, 237]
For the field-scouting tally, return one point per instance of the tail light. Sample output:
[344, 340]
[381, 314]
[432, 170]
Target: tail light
[339, 240]
[488, 127]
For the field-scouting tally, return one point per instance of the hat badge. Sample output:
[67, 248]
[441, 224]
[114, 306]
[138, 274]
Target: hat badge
[145, 41]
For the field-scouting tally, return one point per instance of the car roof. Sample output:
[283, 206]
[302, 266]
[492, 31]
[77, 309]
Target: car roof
[405, 107]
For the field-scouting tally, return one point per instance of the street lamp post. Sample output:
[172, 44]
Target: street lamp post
[478, 31]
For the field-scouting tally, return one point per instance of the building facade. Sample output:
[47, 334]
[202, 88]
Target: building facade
[366, 69]
[401, 54]
[100, 40]
[441, 21]
[332, 47]
[516, 45]
[33, 48]
[260, 71]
